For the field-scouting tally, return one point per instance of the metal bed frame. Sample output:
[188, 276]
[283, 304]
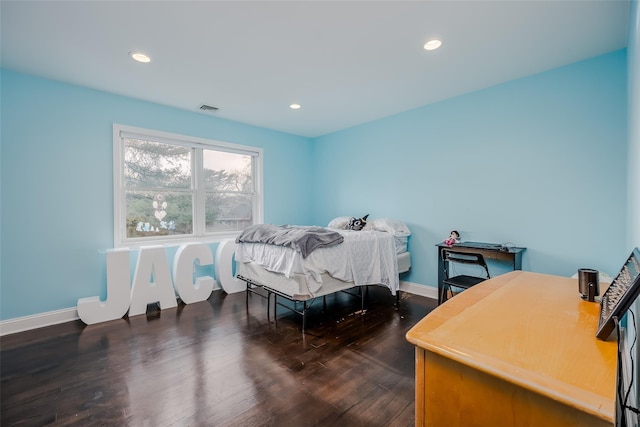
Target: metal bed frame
[306, 304]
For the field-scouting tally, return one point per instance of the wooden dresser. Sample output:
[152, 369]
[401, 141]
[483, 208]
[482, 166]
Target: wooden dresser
[516, 350]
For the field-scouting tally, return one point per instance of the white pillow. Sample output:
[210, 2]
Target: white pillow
[339, 223]
[393, 226]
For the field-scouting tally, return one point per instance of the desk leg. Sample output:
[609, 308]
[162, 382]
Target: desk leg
[517, 261]
[440, 276]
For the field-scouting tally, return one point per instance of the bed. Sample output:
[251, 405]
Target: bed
[345, 261]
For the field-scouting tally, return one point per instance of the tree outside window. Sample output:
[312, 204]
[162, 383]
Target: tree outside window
[174, 187]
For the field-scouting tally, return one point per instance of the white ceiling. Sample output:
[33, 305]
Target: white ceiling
[346, 62]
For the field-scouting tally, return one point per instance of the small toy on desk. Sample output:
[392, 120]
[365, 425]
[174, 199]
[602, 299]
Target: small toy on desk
[454, 237]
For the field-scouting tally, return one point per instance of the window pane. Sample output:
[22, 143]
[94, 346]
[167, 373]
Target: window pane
[228, 211]
[172, 188]
[159, 213]
[227, 171]
[149, 164]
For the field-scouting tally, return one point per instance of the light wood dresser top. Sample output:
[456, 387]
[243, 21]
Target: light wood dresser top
[530, 329]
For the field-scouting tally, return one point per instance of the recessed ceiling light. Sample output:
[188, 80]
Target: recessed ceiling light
[432, 44]
[294, 106]
[139, 56]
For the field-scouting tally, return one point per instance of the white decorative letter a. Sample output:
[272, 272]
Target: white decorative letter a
[151, 281]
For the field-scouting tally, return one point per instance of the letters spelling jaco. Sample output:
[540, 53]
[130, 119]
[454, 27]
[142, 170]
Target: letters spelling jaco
[152, 281]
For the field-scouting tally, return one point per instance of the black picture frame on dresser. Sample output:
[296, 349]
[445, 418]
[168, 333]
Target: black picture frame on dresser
[619, 296]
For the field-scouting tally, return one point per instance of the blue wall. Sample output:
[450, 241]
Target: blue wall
[57, 184]
[633, 71]
[540, 162]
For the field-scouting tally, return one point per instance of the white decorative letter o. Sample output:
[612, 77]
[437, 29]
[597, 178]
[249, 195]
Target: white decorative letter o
[224, 268]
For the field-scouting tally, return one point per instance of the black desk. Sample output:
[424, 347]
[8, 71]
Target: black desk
[488, 250]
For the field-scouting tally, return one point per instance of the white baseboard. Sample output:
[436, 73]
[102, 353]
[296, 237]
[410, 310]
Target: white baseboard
[26, 323]
[417, 289]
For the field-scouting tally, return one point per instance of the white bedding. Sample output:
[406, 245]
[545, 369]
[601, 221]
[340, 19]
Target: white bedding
[364, 258]
[401, 243]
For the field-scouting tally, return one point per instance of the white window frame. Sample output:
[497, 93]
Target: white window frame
[120, 238]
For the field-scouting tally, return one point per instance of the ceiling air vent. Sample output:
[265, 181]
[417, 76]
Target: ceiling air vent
[205, 107]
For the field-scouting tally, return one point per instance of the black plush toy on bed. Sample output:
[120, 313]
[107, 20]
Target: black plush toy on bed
[357, 223]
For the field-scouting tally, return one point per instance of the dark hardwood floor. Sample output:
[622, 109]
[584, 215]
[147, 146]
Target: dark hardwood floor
[219, 363]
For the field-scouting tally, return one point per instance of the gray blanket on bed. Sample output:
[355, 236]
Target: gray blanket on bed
[300, 238]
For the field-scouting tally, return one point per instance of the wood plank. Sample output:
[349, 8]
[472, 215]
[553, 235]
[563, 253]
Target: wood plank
[220, 363]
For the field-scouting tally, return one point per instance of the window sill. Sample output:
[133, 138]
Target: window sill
[174, 242]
